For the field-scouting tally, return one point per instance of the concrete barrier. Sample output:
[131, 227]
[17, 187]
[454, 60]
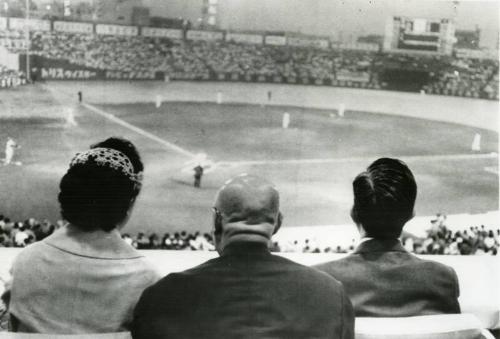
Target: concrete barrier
[479, 276]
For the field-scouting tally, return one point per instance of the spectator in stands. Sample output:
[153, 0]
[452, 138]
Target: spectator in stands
[246, 292]
[5, 287]
[21, 236]
[441, 240]
[381, 278]
[84, 278]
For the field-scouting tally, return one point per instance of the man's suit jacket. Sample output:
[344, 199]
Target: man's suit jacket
[245, 293]
[383, 280]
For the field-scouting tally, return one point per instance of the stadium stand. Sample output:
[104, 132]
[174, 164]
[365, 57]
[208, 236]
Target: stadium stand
[13, 40]
[466, 78]
[187, 59]
[10, 77]
[442, 240]
[439, 239]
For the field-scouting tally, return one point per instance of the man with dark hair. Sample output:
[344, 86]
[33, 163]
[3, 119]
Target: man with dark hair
[247, 292]
[381, 278]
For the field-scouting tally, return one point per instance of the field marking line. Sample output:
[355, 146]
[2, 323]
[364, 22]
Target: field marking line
[491, 169]
[138, 130]
[357, 159]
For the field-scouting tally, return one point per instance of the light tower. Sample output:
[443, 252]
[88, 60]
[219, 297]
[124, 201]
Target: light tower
[455, 10]
[454, 20]
[209, 13]
[27, 37]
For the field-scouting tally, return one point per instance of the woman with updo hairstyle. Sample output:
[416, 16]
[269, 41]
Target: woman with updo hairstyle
[85, 278]
[94, 196]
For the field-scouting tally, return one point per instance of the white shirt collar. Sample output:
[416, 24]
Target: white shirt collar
[365, 239]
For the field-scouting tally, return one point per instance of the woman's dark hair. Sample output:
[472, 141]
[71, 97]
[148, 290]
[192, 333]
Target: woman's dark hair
[384, 198]
[124, 146]
[95, 197]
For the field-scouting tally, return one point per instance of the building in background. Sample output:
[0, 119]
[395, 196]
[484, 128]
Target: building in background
[209, 14]
[140, 16]
[377, 39]
[469, 39]
[421, 35]
[119, 11]
[16, 8]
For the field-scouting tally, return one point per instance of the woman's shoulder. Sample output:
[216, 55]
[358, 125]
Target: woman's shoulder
[147, 272]
[29, 253]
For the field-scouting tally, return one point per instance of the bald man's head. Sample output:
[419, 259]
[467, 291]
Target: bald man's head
[250, 198]
[247, 207]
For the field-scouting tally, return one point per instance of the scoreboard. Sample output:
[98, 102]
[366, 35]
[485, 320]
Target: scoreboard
[434, 36]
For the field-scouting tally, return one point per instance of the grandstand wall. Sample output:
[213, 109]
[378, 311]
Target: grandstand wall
[479, 276]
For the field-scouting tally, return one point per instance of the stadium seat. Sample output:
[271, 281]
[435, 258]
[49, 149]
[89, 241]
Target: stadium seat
[115, 335]
[443, 326]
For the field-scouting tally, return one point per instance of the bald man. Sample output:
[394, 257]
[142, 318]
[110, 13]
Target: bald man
[246, 292]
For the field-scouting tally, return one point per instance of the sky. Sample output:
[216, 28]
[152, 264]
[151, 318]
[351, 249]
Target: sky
[329, 17]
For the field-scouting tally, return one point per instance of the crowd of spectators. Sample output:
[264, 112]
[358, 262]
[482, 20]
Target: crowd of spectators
[14, 42]
[466, 78]
[310, 246]
[171, 241]
[113, 53]
[184, 59]
[23, 233]
[440, 239]
[198, 59]
[10, 77]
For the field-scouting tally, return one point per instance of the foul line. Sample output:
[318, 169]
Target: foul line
[138, 130]
[491, 169]
[358, 159]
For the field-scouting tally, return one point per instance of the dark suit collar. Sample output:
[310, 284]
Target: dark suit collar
[380, 245]
[245, 248]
